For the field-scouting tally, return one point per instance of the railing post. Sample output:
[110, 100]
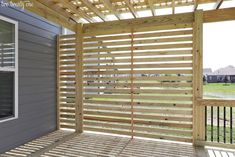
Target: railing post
[79, 79]
[198, 111]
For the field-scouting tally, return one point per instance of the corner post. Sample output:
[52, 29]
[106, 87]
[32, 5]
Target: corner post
[79, 79]
[58, 82]
[198, 111]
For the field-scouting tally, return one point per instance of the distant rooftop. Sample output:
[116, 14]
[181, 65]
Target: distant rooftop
[229, 70]
[207, 71]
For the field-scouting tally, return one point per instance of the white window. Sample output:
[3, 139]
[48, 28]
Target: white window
[8, 69]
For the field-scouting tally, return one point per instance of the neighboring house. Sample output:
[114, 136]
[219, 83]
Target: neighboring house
[224, 75]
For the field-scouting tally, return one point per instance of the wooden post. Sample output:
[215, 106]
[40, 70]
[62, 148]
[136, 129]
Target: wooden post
[58, 82]
[132, 82]
[198, 111]
[79, 79]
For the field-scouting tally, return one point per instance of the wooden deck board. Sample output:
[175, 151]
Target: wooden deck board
[66, 144]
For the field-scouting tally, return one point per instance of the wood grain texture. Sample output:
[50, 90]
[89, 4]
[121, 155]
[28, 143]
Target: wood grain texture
[198, 111]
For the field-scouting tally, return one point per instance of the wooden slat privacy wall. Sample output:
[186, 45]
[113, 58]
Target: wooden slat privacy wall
[146, 73]
[135, 83]
[66, 81]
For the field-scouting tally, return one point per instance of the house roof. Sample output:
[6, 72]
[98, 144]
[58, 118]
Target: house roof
[207, 71]
[229, 70]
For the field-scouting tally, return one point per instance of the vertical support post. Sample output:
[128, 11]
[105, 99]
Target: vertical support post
[132, 82]
[198, 110]
[79, 79]
[58, 82]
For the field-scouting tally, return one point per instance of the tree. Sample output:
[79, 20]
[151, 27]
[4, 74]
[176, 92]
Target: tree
[204, 80]
[226, 79]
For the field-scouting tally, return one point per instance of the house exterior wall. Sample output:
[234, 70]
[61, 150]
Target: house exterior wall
[37, 80]
[220, 78]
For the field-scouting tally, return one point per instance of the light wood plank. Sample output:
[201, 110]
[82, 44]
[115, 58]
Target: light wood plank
[79, 79]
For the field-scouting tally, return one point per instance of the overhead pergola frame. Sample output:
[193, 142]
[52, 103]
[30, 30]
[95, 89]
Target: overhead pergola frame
[69, 12]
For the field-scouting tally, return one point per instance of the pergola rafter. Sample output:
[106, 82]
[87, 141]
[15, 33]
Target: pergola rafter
[219, 3]
[150, 3]
[112, 9]
[54, 6]
[72, 11]
[94, 9]
[131, 8]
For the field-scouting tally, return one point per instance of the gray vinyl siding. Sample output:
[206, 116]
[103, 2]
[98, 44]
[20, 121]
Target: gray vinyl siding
[37, 80]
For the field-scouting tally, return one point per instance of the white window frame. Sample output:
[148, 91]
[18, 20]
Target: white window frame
[15, 70]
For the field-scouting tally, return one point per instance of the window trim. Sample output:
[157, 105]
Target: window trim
[15, 70]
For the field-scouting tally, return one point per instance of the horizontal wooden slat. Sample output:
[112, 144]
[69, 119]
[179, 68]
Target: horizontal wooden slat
[111, 130]
[153, 78]
[67, 41]
[135, 72]
[67, 47]
[139, 54]
[67, 126]
[155, 47]
[107, 125]
[142, 112]
[166, 137]
[138, 91]
[163, 130]
[143, 35]
[163, 65]
[65, 37]
[142, 104]
[117, 117]
[113, 96]
[146, 41]
[126, 85]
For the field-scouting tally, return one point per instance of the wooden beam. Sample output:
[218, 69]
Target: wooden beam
[109, 5]
[198, 111]
[124, 26]
[157, 21]
[131, 8]
[73, 8]
[219, 15]
[215, 144]
[94, 9]
[49, 14]
[79, 79]
[219, 3]
[217, 102]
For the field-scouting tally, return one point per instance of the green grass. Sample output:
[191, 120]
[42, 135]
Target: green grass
[221, 134]
[219, 88]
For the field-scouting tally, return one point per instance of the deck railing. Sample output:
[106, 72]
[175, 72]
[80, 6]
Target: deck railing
[219, 120]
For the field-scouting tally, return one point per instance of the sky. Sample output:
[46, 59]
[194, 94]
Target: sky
[218, 44]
